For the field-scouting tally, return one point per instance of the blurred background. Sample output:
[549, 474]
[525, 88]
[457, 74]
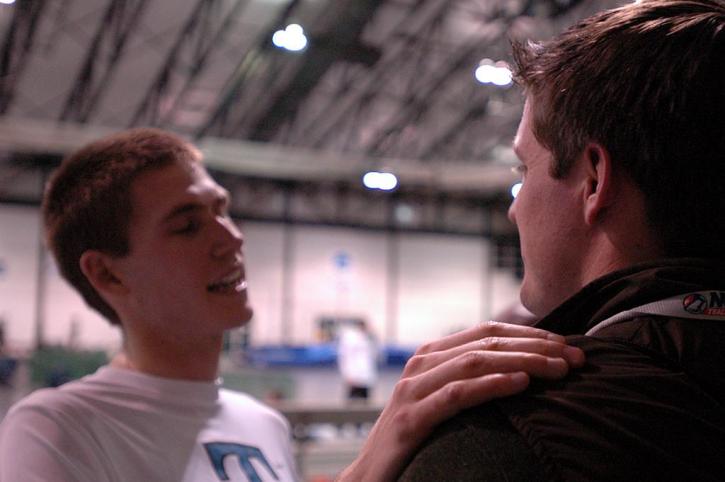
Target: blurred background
[366, 144]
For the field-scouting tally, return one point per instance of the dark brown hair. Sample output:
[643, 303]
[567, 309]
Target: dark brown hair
[87, 203]
[646, 81]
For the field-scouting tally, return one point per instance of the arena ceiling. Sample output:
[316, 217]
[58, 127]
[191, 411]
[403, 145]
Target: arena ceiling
[381, 84]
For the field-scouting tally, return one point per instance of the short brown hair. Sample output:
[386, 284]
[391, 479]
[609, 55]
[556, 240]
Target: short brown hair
[647, 82]
[87, 203]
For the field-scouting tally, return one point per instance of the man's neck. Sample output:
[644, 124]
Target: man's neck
[616, 250]
[622, 237]
[172, 357]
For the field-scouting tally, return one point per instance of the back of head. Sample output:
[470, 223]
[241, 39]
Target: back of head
[647, 82]
[87, 202]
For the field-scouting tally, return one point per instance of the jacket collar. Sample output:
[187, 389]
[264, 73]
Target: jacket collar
[625, 289]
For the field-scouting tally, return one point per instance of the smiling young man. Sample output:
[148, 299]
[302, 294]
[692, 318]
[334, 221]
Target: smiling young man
[622, 150]
[143, 233]
[141, 230]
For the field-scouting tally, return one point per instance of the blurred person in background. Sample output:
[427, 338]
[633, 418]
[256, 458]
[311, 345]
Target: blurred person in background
[357, 359]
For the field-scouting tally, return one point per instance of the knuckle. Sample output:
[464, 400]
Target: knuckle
[425, 348]
[553, 349]
[454, 393]
[403, 388]
[500, 384]
[493, 343]
[495, 382]
[471, 361]
[488, 326]
[536, 361]
[415, 364]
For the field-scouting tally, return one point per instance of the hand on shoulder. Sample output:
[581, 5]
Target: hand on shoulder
[488, 361]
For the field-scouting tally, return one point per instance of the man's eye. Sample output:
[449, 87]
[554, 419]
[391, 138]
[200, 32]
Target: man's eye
[189, 227]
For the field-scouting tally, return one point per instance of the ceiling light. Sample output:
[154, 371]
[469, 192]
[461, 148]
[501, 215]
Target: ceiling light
[384, 181]
[496, 73]
[292, 38]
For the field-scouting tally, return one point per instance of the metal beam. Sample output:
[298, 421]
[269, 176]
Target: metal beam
[112, 33]
[418, 101]
[197, 35]
[338, 34]
[271, 161]
[216, 122]
[422, 14]
[475, 111]
[17, 47]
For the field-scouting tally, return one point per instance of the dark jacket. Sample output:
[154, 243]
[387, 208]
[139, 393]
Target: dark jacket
[648, 405]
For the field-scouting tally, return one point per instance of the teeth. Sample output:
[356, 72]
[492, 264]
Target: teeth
[233, 279]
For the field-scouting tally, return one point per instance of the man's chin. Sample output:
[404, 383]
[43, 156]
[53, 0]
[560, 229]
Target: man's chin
[531, 302]
[245, 315]
[538, 308]
[233, 320]
[236, 312]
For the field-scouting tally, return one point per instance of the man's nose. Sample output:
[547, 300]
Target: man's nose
[230, 237]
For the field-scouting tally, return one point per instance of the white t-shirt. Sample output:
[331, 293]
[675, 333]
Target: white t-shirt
[123, 426]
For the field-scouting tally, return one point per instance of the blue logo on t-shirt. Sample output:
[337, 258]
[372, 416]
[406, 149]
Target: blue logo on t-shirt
[217, 451]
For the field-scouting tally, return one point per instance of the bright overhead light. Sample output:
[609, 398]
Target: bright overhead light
[294, 29]
[384, 181]
[292, 38]
[279, 38]
[7, 2]
[515, 189]
[496, 73]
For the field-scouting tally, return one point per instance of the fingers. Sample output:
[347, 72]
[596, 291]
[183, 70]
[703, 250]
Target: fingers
[488, 329]
[420, 363]
[405, 423]
[474, 364]
[458, 396]
[414, 422]
[491, 360]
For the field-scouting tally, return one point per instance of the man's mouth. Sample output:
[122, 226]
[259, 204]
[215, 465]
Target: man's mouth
[234, 282]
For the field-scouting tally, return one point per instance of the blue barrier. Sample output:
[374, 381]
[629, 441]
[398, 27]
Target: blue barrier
[304, 355]
[320, 355]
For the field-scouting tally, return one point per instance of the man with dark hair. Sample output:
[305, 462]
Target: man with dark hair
[143, 232]
[622, 149]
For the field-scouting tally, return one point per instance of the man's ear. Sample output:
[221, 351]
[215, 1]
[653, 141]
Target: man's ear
[599, 188]
[100, 271]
